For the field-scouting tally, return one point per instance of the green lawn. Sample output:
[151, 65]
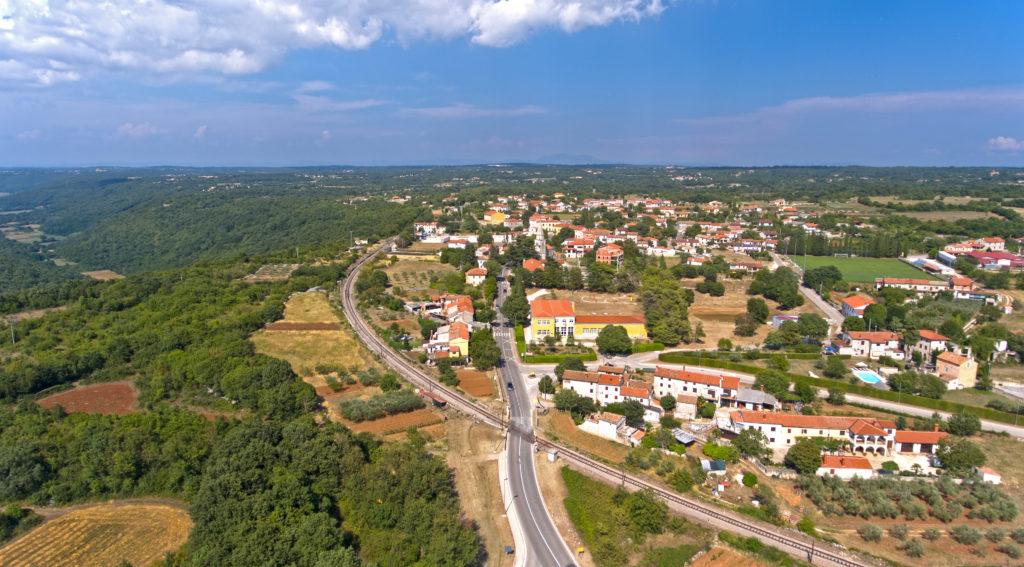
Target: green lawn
[864, 269]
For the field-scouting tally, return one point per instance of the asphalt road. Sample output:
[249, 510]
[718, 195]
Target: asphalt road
[544, 544]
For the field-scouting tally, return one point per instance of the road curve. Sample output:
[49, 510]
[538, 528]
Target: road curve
[790, 541]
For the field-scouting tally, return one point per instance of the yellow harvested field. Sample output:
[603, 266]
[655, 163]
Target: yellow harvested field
[103, 275]
[102, 535]
[718, 314]
[594, 303]
[305, 349]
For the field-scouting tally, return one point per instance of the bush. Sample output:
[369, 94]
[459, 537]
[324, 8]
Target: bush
[995, 535]
[749, 480]
[836, 396]
[890, 466]
[1010, 549]
[806, 525]
[965, 535]
[913, 548]
[899, 531]
[721, 452]
[931, 534]
[1017, 535]
[378, 406]
[870, 532]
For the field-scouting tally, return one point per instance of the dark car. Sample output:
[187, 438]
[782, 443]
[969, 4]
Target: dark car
[508, 385]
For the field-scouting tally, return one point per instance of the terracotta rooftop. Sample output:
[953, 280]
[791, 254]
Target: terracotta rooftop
[951, 358]
[873, 336]
[611, 319]
[928, 437]
[551, 308]
[579, 376]
[806, 421]
[730, 382]
[836, 462]
[858, 301]
[931, 335]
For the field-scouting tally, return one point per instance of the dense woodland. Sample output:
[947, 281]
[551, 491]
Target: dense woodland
[22, 267]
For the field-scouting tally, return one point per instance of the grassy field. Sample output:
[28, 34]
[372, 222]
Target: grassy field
[415, 274]
[561, 425]
[718, 314]
[304, 350]
[864, 269]
[600, 518]
[139, 533]
[593, 303]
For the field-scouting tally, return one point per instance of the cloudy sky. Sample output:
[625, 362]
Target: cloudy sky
[301, 82]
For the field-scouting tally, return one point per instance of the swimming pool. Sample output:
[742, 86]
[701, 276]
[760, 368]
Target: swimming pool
[868, 376]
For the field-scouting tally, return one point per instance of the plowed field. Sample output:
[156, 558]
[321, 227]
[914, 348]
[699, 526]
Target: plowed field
[110, 398]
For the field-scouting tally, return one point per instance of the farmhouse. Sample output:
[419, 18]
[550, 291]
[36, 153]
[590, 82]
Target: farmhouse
[956, 370]
[605, 424]
[476, 276]
[854, 306]
[713, 388]
[930, 342]
[845, 467]
[919, 441]
[874, 344]
[864, 435]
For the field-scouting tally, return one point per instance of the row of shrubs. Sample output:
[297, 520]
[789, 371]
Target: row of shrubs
[378, 406]
[889, 498]
[867, 391]
[964, 535]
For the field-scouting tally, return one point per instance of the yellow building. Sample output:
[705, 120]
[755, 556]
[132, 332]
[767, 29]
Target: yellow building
[589, 326]
[557, 318]
[494, 217]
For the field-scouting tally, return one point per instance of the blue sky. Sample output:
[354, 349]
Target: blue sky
[306, 82]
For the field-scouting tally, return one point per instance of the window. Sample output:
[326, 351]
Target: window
[789, 431]
[772, 440]
[804, 431]
[773, 428]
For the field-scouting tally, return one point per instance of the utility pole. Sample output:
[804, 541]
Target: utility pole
[11, 322]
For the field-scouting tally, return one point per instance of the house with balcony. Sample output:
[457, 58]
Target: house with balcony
[874, 344]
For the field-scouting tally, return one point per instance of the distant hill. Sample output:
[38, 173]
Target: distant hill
[571, 159]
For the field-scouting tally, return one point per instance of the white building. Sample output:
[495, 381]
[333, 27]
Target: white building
[604, 424]
[845, 467]
[875, 344]
[716, 388]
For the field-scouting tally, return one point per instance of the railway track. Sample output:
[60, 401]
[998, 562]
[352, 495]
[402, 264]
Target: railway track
[789, 542]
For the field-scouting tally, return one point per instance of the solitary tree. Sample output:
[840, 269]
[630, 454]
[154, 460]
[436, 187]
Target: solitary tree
[805, 457]
[752, 443]
[483, 349]
[613, 339]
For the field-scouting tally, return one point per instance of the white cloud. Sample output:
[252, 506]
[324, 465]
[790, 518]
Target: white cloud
[200, 134]
[874, 103]
[1005, 144]
[323, 104]
[29, 135]
[325, 135]
[49, 41]
[461, 110]
[136, 131]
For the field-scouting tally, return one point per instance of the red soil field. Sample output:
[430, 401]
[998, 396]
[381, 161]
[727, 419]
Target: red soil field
[110, 398]
[476, 383]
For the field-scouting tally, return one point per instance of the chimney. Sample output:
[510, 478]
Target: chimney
[936, 427]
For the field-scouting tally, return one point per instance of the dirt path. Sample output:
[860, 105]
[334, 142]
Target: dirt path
[473, 451]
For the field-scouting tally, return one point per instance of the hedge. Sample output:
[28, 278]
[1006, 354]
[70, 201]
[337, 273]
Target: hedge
[590, 356]
[868, 391]
[520, 340]
[647, 347]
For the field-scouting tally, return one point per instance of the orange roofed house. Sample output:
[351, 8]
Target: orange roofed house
[854, 306]
[610, 254]
[956, 370]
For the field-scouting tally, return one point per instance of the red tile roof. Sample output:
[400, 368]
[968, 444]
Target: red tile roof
[611, 319]
[477, 272]
[551, 308]
[931, 335]
[609, 380]
[532, 264]
[873, 336]
[579, 376]
[806, 421]
[608, 368]
[928, 437]
[857, 301]
[636, 392]
[951, 358]
[730, 382]
[836, 462]
[864, 428]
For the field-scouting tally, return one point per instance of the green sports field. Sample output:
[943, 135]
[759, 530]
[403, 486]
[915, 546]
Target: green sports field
[865, 269]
